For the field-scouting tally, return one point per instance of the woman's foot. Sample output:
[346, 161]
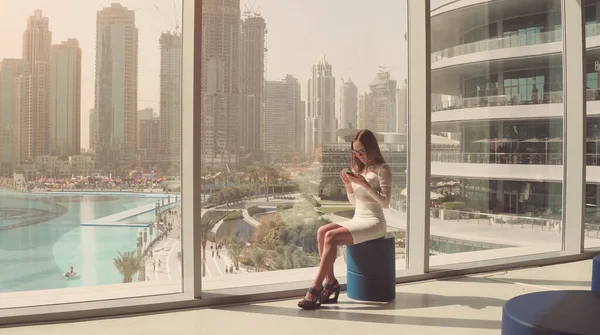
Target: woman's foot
[312, 299]
[330, 288]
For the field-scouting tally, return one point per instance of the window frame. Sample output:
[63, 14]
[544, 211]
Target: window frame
[418, 227]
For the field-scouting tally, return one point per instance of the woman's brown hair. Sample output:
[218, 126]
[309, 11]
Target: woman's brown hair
[371, 146]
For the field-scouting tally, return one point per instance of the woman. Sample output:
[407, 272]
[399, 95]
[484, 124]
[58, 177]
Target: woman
[369, 188]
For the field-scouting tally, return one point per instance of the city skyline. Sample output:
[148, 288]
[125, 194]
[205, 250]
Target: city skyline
[285, 55]
[77, 20]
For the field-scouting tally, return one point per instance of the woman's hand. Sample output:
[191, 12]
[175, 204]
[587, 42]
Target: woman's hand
[345, 178]
[359, 180]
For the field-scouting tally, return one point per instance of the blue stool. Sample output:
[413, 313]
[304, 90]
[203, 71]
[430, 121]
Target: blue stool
[552, 312]
[596, 273]
[371, 270]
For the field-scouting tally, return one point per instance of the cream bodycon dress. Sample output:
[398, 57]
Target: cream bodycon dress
[368, 222]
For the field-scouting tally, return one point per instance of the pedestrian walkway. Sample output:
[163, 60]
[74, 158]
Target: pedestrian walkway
[163, 263]
[112, 220]
[215, 265]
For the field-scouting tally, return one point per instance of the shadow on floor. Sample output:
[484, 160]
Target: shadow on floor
[494, 279]
[406, 300]
[363, 312]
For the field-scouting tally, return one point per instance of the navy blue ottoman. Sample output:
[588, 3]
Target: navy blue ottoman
[371, 270]
[596, 273]
[552, 312]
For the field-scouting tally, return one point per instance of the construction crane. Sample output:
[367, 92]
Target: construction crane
[173, 26]
[251, 9]
[384, 68]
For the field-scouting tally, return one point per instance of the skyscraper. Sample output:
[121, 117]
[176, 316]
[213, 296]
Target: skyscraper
[253, 80]
[362, 111]
[150, 137]
[380, 112]
[37, 40]
[402, 109]
[321, 105]
[300, 130]
[93, 129]
[142, 114]
[284, 117]
[116, 87]
[65, 99]
[220, 78]
[170, 96]
[348, 104]
[14, 91]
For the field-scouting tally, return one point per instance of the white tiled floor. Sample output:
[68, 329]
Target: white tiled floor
[467, 305]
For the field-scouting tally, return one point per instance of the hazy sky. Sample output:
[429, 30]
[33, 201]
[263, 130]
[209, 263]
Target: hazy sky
[355, 36]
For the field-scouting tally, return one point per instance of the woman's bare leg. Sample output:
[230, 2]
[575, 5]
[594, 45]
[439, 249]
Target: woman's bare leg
[333, 238]
[329, 277]
[321, 235]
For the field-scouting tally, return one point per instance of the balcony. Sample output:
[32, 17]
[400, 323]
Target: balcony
[515, 40]
[505, 158]
[508, 158]
[547, 105]
[506, 100]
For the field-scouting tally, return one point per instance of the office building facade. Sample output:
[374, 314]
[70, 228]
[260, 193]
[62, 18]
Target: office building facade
[65, 99]
[116, 87]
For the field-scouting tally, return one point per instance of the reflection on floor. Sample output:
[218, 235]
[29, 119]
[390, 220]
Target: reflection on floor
[466, 305]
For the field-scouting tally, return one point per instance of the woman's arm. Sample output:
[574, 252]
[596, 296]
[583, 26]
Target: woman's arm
[348, 185]
[350, 193]
[384, 196]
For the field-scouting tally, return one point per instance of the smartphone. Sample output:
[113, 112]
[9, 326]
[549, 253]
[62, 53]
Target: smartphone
[348, 172]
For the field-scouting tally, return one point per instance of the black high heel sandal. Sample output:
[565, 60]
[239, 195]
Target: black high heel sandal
[328, 290]
[315, 302]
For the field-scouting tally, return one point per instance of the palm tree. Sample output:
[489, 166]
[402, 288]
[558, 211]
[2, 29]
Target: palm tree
[246, 179]
[206, 226]
[268, 172]
[254, 175]
[128, 265]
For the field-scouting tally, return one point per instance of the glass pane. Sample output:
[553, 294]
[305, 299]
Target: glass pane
[90, 133]
[496, 177]
[592, 204]
[278, 125]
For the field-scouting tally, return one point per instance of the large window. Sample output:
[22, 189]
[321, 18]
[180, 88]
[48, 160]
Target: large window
[90, 150]
[496, 192]
[592, 202]
[110, 114]
[278, 123]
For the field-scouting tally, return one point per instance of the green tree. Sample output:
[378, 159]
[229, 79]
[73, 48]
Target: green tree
[270, 234]
[257, 256]
[128, 264]
[331, 190]
[305, 235]
[235, 247]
